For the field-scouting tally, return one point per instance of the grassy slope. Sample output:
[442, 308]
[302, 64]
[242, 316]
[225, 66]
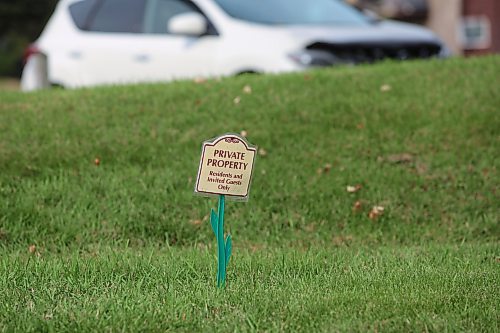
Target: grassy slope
[148, 138]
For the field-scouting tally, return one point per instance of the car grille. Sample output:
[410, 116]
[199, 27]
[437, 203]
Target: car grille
[355, 53]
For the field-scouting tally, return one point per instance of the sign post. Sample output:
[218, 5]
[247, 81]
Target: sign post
[225, 171]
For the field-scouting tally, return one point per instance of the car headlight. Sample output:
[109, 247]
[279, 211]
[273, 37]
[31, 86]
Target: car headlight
[309, 58]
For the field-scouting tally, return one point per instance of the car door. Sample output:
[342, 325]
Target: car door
[110, 46]
[171, 56]
[127, 41]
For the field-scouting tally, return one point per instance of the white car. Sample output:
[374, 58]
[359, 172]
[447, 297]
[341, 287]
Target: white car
[97, 42]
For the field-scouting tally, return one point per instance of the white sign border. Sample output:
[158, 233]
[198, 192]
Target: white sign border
[213, 142]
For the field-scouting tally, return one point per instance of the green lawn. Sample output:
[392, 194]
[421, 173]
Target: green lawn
[433, 288]
[123, 245]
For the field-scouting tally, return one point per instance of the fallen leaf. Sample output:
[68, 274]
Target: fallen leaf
[196, 222]
[307, 77]
[237, 100]
[400, 158]
[32, 249]
[360, 126]
[244, 133]
[327, 167]
[97, 162]
[376, 212]
[358, 206]
[324, 169]
[247, 89]
[262, 152]
[385, 88]
[353, 189]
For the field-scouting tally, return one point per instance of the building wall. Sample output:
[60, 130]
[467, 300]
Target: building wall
[489, 9]
[444, 19]
[466, 26]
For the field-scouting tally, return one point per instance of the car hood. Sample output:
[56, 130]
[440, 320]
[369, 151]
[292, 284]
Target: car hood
[380, 32]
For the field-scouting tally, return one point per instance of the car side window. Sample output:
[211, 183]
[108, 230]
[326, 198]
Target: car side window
[161, 11]
[122, 16]
[80, 12]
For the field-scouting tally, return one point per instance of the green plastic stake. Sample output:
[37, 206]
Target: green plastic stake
[223, 246]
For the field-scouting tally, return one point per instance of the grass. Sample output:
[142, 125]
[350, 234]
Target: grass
[443, 288]
[124, 244]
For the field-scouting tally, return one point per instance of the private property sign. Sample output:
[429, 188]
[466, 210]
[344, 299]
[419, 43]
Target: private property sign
[226, 167]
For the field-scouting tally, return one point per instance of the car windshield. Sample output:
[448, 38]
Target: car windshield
[294, 12]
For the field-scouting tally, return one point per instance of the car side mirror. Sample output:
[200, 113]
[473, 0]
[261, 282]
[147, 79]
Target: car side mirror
[192, 24]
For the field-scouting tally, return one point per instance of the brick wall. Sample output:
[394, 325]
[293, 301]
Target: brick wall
[491, 10]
